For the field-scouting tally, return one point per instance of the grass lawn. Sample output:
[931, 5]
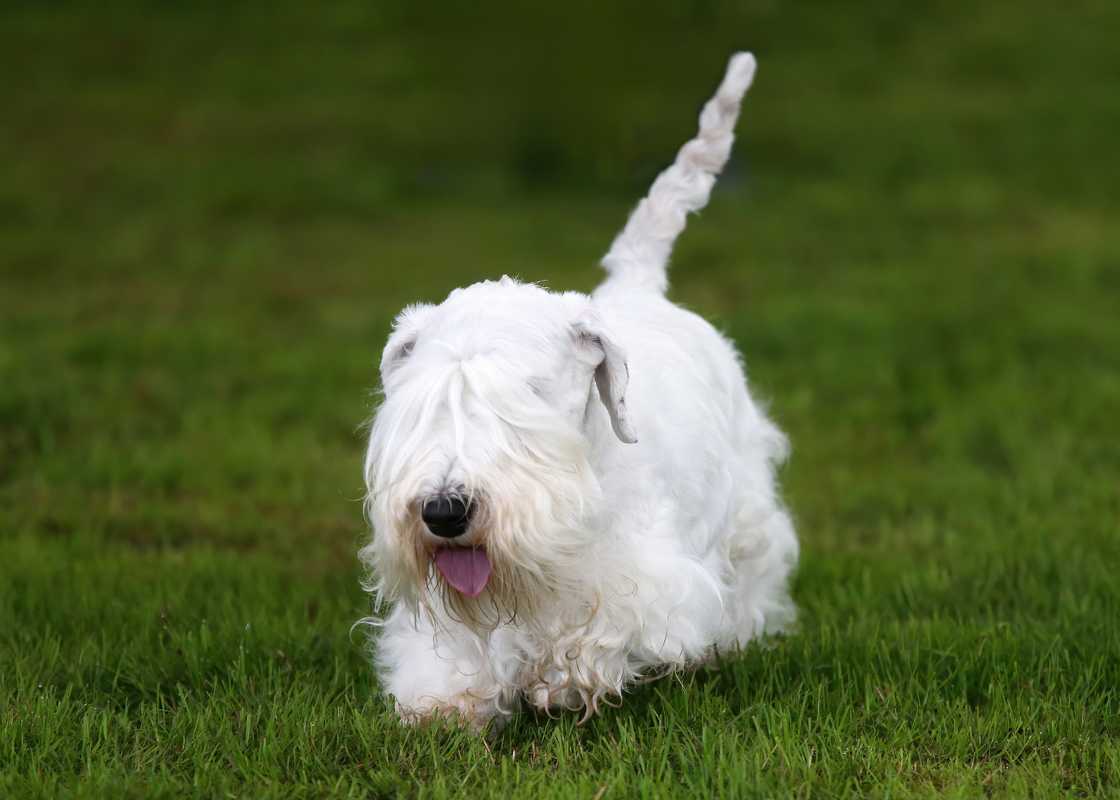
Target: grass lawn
[209, 215]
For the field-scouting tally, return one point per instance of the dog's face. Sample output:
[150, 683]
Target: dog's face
[480, 490]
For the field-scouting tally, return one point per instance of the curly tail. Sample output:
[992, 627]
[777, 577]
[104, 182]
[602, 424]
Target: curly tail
[639, 255]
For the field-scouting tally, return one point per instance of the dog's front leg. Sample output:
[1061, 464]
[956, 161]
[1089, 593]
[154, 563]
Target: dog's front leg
[440, 671]
[580, 670]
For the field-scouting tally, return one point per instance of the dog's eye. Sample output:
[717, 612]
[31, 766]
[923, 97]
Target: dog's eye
[403, 351]
[394, 357]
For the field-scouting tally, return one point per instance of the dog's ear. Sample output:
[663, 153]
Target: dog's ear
[611, 375]
[406, 329]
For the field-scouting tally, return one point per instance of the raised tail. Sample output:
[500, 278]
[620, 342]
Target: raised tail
[639, 255]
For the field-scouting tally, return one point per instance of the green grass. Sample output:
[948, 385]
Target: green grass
[209, 216]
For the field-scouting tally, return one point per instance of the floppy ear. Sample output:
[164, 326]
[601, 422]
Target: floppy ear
[406, 328]
[611, 376]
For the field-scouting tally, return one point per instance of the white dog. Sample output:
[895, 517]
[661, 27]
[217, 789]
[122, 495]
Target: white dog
[572, 492]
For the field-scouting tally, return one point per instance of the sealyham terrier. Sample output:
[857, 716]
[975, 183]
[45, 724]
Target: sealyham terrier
[571, 493]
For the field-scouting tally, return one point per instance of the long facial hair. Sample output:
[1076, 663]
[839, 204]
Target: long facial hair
[522, 465]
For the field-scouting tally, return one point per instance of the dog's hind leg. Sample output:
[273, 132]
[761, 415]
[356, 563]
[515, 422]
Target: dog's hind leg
[762, 554]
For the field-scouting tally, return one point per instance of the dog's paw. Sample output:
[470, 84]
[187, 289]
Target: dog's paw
[465, 711]
[554, 699]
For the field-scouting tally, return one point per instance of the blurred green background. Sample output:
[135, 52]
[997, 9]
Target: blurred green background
[209, 214]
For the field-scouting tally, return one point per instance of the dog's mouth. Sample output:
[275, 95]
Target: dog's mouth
[466, 569]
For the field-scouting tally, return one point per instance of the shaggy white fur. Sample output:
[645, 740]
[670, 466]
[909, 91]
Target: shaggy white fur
[614, 480]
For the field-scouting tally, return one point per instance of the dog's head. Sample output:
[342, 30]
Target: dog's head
[480, 488]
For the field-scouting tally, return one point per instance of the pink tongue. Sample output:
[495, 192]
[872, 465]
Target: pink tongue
[467, 569]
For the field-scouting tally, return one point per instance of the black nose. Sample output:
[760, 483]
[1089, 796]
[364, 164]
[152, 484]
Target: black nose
[447, 516]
